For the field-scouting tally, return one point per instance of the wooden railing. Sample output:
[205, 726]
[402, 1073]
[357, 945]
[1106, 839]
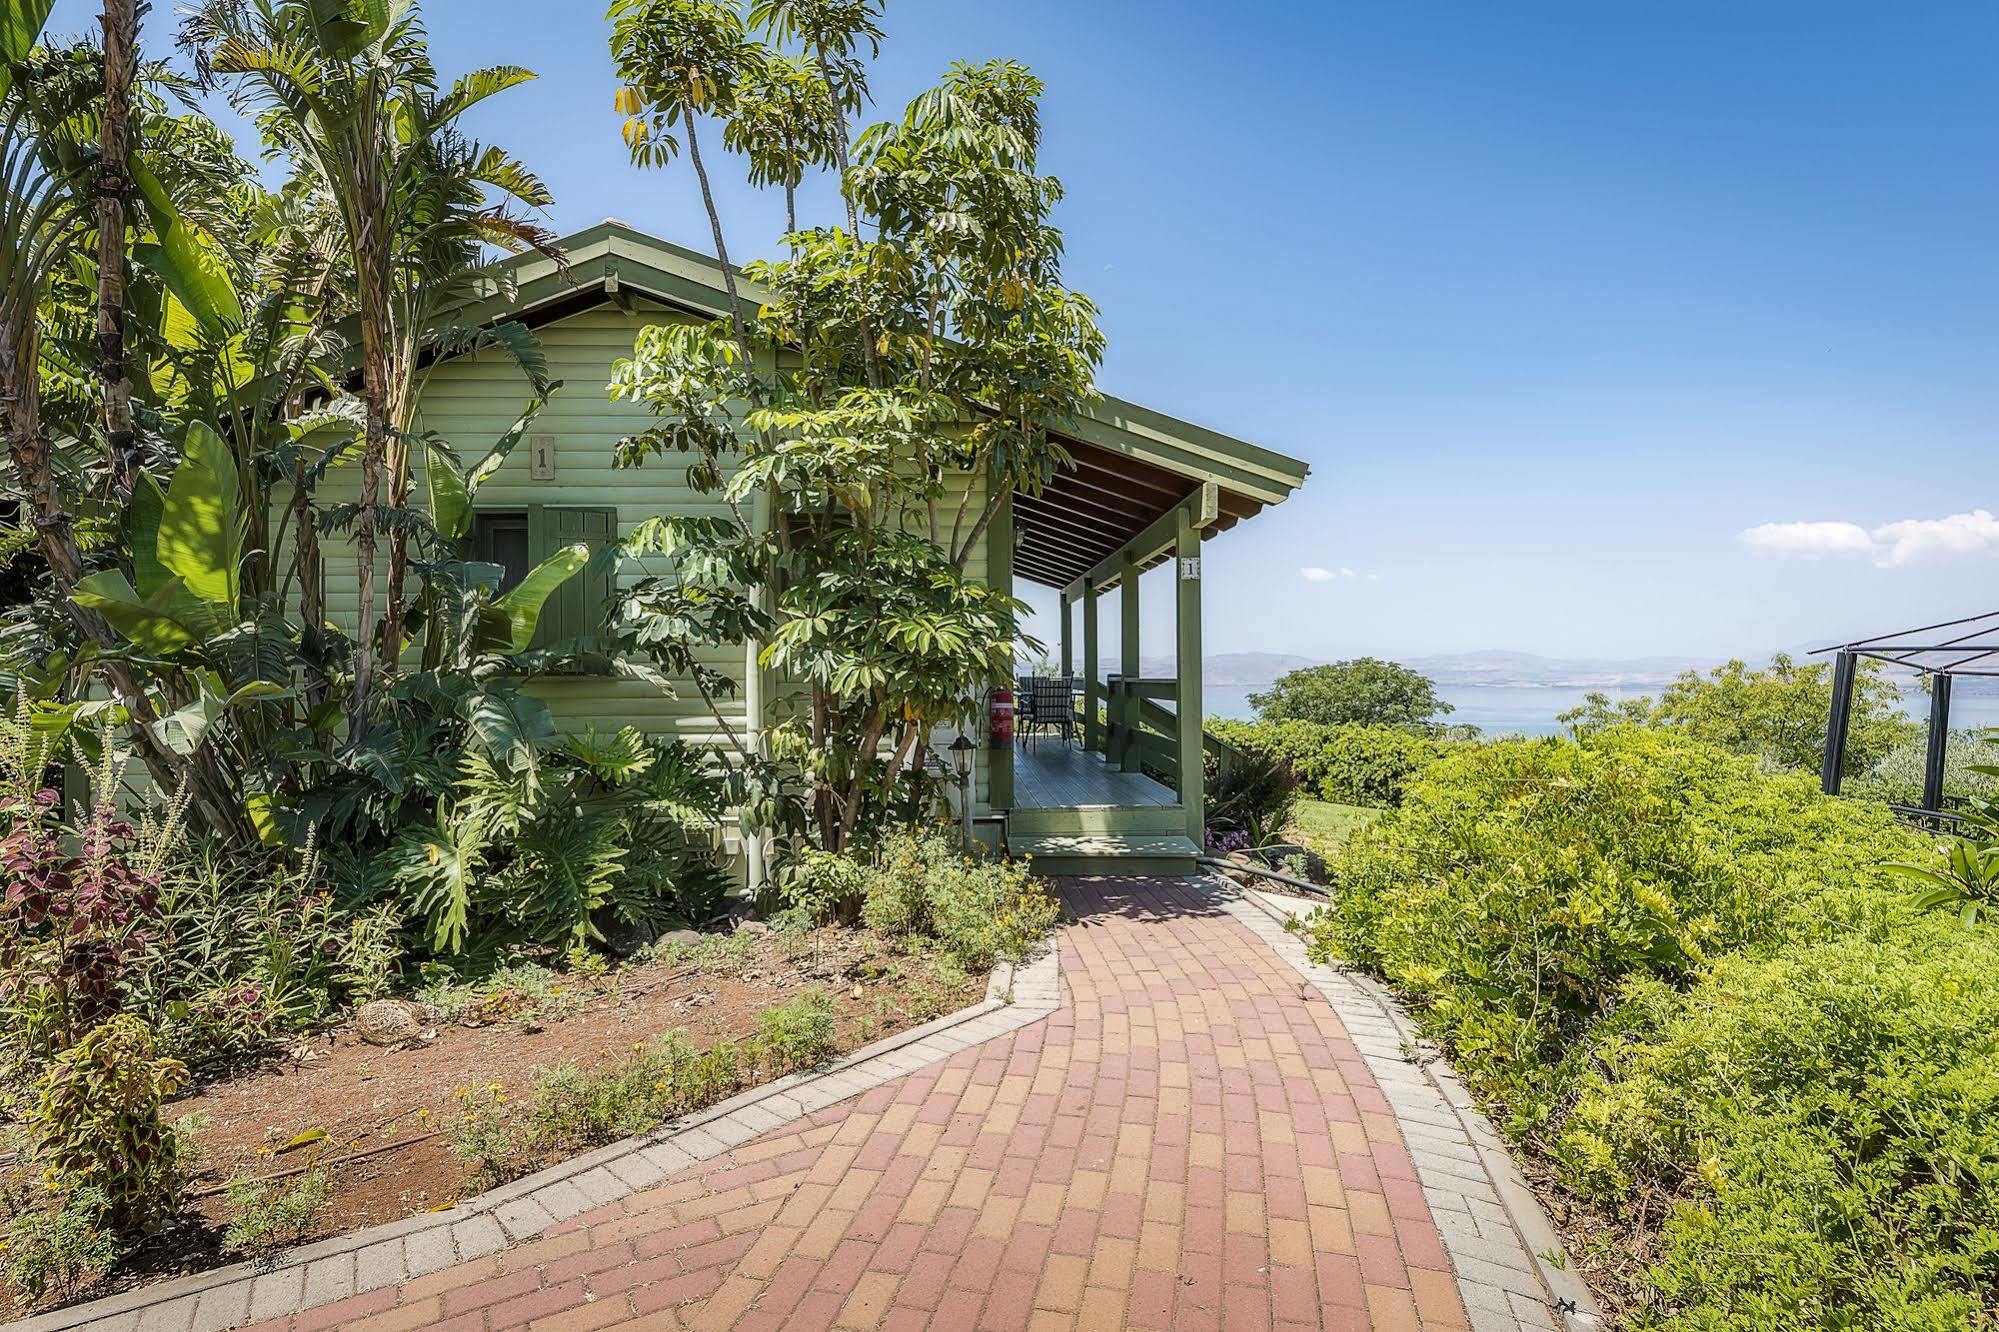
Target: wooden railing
[1155, 741]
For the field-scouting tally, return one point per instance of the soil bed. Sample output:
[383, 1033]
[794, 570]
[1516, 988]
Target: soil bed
[381, 1118]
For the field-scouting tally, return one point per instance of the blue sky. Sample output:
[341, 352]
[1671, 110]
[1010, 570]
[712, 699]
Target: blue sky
[1560, 300]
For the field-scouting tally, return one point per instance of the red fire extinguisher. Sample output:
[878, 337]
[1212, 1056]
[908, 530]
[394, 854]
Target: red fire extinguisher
[1000, 727]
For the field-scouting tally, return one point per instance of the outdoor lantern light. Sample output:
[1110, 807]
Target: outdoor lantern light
[962, 750]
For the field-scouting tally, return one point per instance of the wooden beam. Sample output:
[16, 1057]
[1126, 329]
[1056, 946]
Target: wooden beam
[1159, 536]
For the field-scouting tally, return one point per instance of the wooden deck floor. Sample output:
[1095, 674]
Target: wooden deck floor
[1048, 774]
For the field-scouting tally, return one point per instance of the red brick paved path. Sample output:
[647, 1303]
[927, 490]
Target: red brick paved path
[1189, 1142]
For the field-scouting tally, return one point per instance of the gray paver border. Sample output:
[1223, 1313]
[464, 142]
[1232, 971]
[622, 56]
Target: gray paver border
[1017, 996]
[1491, 1224]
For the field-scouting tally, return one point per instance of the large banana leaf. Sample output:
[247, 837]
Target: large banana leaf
[190, 262]
[453, 488]
[201, 527]
[149, 507]
[510, 623]
[148, 622]
[20, 28]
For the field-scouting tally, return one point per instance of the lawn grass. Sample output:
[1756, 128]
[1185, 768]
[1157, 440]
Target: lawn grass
[1322, 825]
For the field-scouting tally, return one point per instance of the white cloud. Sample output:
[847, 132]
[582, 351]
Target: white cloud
[1971, 533]
[1311, 573]
[1890, 545]
[1809, 540]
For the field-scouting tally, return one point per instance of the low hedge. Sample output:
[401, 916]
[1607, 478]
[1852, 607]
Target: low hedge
[1349, 765]
[1683, 983]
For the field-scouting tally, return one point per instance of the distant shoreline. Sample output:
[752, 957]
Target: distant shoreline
[1531, 709]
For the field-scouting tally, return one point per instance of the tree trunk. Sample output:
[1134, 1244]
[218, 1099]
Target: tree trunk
[721, 248]
[121, 41]
[372, 286]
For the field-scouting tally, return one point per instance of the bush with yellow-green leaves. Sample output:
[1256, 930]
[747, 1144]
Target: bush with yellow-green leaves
[1685, 983]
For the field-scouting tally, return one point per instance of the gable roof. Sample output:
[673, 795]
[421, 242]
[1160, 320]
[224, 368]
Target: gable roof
[1133, 464]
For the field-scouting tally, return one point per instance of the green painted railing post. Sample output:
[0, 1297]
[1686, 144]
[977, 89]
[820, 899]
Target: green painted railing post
[1068, 669]
[1127, 755]
[1188, 714]
[1093, 689]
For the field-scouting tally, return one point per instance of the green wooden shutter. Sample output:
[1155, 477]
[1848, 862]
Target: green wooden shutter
[579, 605]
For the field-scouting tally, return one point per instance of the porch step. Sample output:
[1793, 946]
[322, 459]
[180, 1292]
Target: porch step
[1115, 820]
[1105, 853]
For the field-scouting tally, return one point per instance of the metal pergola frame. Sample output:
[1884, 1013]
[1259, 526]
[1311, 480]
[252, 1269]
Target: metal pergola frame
[1972, 652]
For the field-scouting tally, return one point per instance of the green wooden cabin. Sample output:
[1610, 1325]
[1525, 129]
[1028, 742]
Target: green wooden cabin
[1146, 489]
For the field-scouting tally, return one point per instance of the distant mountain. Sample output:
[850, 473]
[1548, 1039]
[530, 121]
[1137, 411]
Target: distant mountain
[1525, 669]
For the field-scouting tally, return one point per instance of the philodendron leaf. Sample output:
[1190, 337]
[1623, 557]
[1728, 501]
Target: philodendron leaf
[521, 604]
[201, 529]
[510, 724]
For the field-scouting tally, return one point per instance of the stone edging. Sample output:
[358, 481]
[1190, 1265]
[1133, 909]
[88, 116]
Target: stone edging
[1491, 1224]
[347, 1265]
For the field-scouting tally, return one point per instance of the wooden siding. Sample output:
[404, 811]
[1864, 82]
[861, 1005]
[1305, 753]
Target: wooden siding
[471, 402]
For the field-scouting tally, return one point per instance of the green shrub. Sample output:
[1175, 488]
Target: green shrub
[1348, 765]
[570, 1109]
[250, 949]
[96, 1122]
[1253, 795]
[1825, 1123]
[1523, 883]
[979, 910]
[57, 1253]
[1684, 979]
[272, 1213]
[817, 887]
[1898, 777]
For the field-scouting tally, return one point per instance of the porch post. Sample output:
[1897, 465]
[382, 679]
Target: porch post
[1187, 666]
[1093, 689]
[999, 575]
[1128, 755]
[1068, 666]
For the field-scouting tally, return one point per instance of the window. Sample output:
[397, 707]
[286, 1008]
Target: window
[502, 539]
[518, 540]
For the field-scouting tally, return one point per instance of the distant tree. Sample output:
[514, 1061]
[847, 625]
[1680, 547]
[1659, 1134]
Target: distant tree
[1599, 712]
[1778, 714]
[1365, 692]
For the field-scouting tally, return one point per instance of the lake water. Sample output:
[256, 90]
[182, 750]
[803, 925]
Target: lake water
[1531, 709]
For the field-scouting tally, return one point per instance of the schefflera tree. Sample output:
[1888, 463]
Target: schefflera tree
[860, 428]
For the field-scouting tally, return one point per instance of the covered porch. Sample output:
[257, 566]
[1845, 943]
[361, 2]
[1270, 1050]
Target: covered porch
[1125, 782]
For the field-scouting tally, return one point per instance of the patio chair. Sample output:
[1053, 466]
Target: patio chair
[1055, 705]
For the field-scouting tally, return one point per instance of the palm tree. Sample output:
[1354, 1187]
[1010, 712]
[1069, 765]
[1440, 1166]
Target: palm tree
[348, 92]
